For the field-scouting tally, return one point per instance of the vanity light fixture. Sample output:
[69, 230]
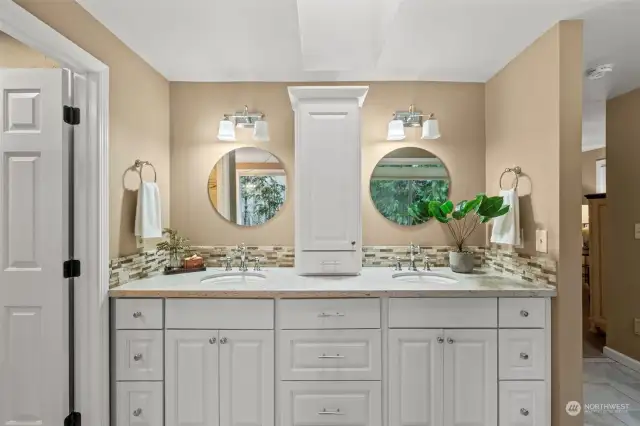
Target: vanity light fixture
[412, 118]
[243, 119]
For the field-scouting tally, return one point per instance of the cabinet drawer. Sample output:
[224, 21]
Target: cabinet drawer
[522, 354]
[139, 355]
[331, 403]
[443, 313]
[308, 314]
[138, 314]
[228, 314]
[329, 262]
[330, 355]
[523, 404]
[139, 404]
[521, 313]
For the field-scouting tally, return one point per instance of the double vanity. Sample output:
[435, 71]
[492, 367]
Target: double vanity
[330, 343]
[263, 348]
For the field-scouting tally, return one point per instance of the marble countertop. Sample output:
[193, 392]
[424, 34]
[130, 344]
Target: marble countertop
[372, 282]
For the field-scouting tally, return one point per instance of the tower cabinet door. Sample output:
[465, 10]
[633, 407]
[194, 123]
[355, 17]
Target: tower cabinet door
[247, 378]
[191, 378]
[471, 378]
[328, 176]
[415, 377]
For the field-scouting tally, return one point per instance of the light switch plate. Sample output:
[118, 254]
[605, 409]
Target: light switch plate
[636, 326]
[637, 231]
[541, 241]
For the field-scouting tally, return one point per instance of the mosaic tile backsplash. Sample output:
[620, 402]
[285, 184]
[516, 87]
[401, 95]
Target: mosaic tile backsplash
[504, 260]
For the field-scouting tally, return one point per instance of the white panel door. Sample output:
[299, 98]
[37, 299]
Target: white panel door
[328, 176]
[471, 378]
[246, 378]
[191, 378]
[33, 245]
[416, 377]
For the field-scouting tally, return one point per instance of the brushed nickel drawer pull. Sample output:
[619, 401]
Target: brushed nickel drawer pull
[137, 314]
[137, 412]
[336, 356]
[325, 314]
[335, 412]
[524, 313]
[137, 357]
[524, 411]
[524, 355]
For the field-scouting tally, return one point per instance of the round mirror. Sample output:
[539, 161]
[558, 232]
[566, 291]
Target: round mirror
[405, 176]
[247, 186]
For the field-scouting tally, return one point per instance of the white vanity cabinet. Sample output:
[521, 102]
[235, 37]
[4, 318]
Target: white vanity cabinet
[328, 179]
[419, 361]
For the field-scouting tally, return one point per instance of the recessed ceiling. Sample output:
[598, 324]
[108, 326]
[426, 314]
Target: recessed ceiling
[331, 40]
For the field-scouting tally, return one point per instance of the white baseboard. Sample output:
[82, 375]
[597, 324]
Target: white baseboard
[623, 359]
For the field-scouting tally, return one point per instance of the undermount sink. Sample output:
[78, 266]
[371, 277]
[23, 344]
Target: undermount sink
[425, 277]
[234, 277]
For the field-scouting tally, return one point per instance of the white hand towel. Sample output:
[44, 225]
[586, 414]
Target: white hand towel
[506, 228]
[148, 219]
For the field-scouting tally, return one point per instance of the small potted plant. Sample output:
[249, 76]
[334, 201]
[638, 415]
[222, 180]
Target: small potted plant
[461, 219]
[175, 245]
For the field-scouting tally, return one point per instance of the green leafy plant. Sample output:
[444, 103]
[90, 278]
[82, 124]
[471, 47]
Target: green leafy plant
[463, 218]
[174, 244]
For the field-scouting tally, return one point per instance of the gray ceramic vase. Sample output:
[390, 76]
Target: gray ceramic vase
[461, 262]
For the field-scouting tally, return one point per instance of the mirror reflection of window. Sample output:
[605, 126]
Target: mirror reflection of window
[248, 186]
[404, 176]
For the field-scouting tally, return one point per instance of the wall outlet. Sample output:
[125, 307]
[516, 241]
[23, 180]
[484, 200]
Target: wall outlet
[541, 241]
[636, 326]
[637, 231]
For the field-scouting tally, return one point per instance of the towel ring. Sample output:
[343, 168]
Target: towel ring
[516, 171]
[139, 164]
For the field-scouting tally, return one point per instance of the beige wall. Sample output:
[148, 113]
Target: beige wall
[197, 107]
[534, 113]
[589, 159]
[621, 290]
[14, 54]
[139, 113]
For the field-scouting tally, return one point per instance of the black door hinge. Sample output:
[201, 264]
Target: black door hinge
[71, 268]
[73, 419]
[71, 115]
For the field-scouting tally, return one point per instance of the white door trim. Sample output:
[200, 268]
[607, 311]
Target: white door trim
[92, 201]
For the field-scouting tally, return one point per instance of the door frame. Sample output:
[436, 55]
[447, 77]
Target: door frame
[91, 201]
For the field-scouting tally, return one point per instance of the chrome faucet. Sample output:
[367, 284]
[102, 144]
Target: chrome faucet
[397, 264]
[413, 250]
[242, 249]
[427, 265]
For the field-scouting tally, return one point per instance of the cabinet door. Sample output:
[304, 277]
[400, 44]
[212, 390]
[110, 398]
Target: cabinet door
[328, 176]
[191, 378]
[246, 378]
[415, 377]
[471, 378]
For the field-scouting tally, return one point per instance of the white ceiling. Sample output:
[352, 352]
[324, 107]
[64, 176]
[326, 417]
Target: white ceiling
[332, 40]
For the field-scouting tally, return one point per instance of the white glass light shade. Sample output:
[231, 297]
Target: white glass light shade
[430, 129]
[585, 214]
[226, 131]
[261, 131]
[395, 131]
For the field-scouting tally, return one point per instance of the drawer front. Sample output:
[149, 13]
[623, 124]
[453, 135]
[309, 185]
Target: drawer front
[331, 403]
[522, 354]
[139, 355]
[138, 314]
[309, 314]
[228, 314]
[443, 313]
[521, 313]
[330, 355]
[139, 404]
[523, 404]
